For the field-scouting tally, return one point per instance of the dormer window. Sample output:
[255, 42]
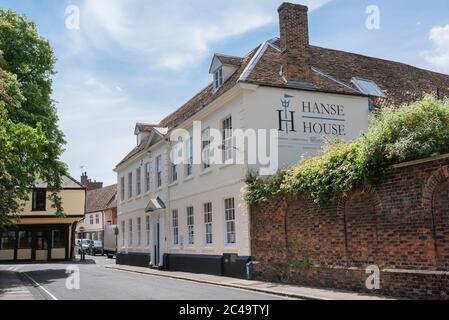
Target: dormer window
[218, 78]
[223, 67]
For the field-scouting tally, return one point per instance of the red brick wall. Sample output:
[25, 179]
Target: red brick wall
[400, 224]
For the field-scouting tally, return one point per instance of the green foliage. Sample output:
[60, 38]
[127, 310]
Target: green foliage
[407, 133]
[30, 140]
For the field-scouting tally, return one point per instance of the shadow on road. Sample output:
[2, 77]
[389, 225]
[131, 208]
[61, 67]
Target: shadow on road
[8, 281]
[48, 276]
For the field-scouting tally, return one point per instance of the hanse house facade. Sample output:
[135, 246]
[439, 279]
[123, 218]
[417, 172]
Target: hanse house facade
[191, 216]
[40, 235]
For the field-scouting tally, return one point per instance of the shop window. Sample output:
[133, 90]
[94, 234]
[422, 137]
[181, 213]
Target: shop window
[42, 240]
[58, 239]
[25, 240]
[7, 240]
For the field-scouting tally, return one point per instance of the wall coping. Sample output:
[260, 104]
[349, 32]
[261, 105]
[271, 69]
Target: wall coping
[389, 270]
[416, 162]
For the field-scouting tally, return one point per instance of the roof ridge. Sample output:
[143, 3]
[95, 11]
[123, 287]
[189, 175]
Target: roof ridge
[380, 59]
[227, 55]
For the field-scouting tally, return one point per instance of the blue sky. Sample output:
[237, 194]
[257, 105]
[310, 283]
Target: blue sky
[138, 60]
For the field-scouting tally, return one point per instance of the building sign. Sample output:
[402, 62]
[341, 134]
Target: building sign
[316, 118]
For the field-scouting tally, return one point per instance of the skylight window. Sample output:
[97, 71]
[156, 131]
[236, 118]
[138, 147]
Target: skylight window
[368, 87]
[218, 78]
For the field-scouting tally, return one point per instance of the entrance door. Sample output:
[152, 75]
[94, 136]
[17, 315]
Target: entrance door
[157, 245]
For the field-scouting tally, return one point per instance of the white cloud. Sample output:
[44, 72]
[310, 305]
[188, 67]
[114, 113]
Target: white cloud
[98, 121]
[173, 34]
[439, 57]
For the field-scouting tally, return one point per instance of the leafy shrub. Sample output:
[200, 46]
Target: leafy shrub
[407, 133]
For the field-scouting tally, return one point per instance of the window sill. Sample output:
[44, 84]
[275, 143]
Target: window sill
[206, 172]
[159, 189]
[187, 179]
[226, 165]
[173, 184]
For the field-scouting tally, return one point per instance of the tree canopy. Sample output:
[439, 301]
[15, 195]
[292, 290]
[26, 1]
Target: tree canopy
[31, 142]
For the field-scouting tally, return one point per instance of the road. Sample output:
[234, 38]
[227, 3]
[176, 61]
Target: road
[98, 283]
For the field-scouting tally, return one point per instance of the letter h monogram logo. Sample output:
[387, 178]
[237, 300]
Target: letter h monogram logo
[286, 117]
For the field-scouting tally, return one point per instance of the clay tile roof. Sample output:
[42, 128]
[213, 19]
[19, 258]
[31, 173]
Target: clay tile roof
[133, 152]
[100, 199]
[144, 127]
[332, 71]
[230, 60]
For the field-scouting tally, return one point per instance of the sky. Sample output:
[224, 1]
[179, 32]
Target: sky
[128, 61]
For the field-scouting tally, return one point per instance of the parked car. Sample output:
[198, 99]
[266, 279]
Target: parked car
[96, 247]
[110, 241]
[84, 245]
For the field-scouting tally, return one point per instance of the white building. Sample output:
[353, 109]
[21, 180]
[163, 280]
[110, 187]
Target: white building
[191, 217]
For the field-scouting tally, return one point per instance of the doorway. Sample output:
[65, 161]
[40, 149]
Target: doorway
[157, 244]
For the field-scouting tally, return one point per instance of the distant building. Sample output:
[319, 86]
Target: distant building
[101, 210]
[89, 184]
[40, 235]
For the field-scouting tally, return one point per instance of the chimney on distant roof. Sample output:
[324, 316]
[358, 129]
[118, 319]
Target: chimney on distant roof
[89, 184]
[294, 27]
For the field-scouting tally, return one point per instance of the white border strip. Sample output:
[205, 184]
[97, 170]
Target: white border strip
[39, 286]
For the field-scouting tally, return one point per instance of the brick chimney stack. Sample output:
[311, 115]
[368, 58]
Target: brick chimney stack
[294, 27]
[89, 184]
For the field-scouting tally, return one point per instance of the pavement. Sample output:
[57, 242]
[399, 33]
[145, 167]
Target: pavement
[291, 291]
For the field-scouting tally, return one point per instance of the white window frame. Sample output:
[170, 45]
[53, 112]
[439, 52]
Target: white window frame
[228, 139]
[230, 222]
[208, 224]
[97, 218]
[189, 157]
[122, 189]
[191, 226]
[173, 167]
[148, 230]
[138, 181]
[147, 177]
[206, 151]
[159, 171]
[130, 231]
[123, 234]
[130, 185]
[218, 78]
[175, 227]
[139, 231]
